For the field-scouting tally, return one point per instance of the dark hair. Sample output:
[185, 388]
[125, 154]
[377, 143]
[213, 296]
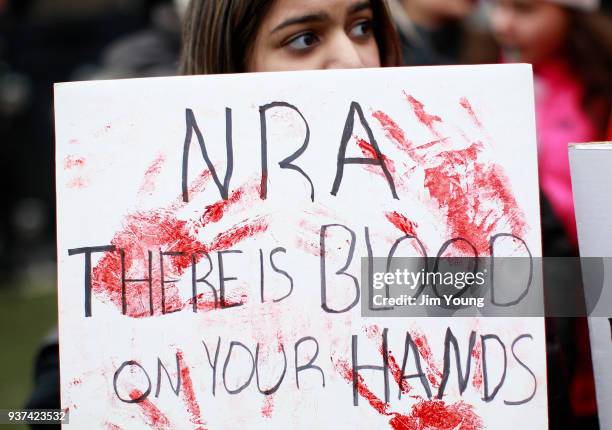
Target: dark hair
[218, 34]
[589, 51]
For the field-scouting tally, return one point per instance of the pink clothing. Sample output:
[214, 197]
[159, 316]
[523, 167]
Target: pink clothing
[560, 120]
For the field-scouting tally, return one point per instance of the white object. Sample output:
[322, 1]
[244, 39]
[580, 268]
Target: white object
[459, 152]
[590, 164]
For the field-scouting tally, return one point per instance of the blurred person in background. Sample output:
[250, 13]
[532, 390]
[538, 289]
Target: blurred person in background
[148, 52]
[442, 32]
[570, 47]
[569, 44]
[43, 42]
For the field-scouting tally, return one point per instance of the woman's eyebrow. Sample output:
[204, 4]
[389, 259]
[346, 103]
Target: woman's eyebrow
[321, 16]
[358, 7]
[315, 17]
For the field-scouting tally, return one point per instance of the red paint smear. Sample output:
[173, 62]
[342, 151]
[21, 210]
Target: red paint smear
[309, 227]
[396, 134]
[464, 187]
[203, 305]
[229, 238]
[143, 232]
[432, 380]
[154, 416]
[396, 371]
[149, 231]
[72, 162]
[263, 180]
[424, 349]
[424, 415]
[392, 130]
[432, 143]
[210, 304]
[187, 388]
[372, 331]
[196, 186]
[161, 229]
[402, 223]
[369, 151]
[347, 373]
[477, 356]
[268, 407]
[468, 107]
[311, 248]
[424, 118]
[148, 182]
[73, 141]
[437, 415]
[493, 179]
[308, 230]
[215, 212]
[78, 182]
[111, 426]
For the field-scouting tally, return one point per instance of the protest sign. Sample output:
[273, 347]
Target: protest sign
[590, 164]
[210, 237]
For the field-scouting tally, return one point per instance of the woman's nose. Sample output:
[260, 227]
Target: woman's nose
[343, 53]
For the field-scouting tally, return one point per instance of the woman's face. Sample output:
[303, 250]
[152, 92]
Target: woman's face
[534, 29]
[315, 34]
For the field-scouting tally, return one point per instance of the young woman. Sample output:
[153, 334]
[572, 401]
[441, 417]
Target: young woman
[234, 36]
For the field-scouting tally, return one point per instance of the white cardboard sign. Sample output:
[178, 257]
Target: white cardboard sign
[210, 232]
[589, 164]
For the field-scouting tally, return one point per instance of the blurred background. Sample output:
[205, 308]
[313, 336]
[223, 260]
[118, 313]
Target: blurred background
[47, 41]
[42, 42]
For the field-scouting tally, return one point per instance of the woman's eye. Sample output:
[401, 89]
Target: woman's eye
[302, 41]
[362, 29]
